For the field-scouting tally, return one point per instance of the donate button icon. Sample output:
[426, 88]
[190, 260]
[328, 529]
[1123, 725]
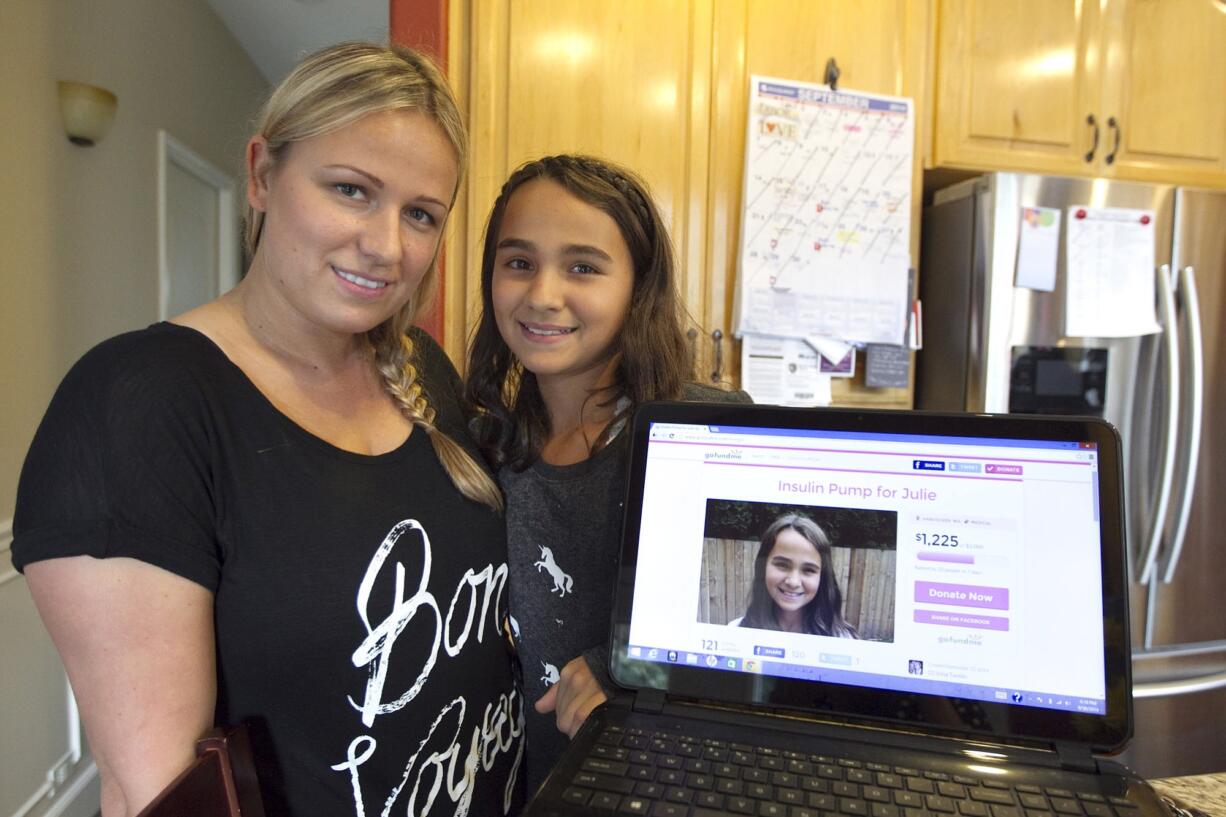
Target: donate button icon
[962, 595]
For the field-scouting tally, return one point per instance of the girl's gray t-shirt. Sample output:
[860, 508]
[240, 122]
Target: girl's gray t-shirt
[563, 539]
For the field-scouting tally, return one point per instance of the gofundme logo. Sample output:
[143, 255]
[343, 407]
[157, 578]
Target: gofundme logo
[734, 454]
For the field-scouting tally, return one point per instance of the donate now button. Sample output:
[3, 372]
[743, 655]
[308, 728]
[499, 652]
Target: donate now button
[993, 468]
[962, 595]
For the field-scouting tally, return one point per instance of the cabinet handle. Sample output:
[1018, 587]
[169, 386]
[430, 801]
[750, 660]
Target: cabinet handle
[1091, 121]
[692, 336]
[718, 337]
[1115, 147]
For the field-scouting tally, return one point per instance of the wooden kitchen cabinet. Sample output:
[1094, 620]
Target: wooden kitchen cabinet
[625, 81]
[1128, 89]
[663, 89]
[1015, 83]
[1165, 71]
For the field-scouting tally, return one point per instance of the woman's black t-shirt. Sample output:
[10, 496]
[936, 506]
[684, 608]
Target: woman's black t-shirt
[359, 600]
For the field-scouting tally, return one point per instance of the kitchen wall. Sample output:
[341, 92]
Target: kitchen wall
[79, 263]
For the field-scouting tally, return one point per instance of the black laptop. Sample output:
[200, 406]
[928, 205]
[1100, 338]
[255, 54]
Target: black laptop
[876, 614]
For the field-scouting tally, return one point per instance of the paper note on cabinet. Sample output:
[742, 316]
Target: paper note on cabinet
[825, 227]
[887, 366]
[1109, 253]
[1038, 247]
[783, 372]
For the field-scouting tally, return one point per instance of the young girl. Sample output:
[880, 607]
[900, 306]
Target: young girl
[581, 321]
[794, 586]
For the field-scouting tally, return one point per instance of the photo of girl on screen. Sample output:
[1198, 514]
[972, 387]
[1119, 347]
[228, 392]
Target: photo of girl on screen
[794, 587]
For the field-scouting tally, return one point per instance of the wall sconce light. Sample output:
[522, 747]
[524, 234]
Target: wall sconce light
[87, 111]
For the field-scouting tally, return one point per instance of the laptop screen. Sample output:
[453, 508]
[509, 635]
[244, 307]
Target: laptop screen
[925, 556]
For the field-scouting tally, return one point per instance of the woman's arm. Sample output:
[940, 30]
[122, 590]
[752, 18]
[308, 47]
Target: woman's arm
[137, 642]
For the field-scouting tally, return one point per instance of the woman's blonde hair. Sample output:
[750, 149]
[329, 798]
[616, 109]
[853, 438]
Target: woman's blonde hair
[325, 92]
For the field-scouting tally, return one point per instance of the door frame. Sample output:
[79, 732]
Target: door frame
[172, 151]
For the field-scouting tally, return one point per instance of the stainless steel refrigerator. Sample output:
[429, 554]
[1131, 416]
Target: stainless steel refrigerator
[992, 346]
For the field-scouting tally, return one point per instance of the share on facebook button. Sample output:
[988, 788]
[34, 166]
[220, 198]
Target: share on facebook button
[953, 618]
[966, 467]
[962, 595]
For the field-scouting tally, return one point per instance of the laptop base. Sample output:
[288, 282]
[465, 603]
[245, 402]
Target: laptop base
[695, 761]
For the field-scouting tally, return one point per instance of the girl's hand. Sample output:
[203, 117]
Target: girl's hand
[573, 697]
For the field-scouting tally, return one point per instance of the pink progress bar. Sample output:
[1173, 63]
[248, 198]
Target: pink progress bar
[956, 558]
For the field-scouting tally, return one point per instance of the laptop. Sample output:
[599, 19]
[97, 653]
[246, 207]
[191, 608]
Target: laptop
[958, 645]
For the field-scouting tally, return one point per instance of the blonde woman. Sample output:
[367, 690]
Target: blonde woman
[264, 510]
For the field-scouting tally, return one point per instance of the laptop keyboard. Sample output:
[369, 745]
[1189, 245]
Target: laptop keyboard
[632, 771]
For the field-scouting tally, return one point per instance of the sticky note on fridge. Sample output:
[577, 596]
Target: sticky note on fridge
[1038, 246]
[1109, 272]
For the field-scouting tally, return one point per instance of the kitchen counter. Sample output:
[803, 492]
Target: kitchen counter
[1206, 792]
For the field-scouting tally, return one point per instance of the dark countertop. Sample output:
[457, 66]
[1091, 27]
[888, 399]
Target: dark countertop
[1206, 792]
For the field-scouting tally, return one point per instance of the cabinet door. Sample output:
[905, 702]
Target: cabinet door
[625, 81]
[1016, 81]
[879, 48]
[1165, 71]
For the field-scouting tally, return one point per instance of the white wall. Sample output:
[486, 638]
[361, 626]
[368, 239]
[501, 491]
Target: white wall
[78, 263]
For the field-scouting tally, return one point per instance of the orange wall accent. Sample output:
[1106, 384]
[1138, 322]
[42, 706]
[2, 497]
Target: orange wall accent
[422, 24]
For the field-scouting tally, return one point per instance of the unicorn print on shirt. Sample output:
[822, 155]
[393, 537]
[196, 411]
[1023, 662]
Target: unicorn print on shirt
[562, 582]
[551, 675]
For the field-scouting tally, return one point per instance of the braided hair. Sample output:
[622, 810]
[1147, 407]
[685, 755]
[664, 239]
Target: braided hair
[326, 91]
[512, 424]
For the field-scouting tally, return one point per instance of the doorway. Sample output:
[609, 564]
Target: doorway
[197, 229]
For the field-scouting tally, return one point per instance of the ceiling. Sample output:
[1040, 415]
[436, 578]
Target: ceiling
[277, 33]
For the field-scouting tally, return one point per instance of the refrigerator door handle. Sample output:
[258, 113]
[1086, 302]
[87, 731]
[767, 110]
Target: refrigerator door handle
[1170, 344]
[1181, 686]
[1190, 422]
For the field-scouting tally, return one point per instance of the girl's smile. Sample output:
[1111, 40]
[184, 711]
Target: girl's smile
[544, 333]
[561, 288]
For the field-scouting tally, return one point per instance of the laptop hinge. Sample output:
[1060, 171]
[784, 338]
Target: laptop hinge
[649, 700]
[1076, 757]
